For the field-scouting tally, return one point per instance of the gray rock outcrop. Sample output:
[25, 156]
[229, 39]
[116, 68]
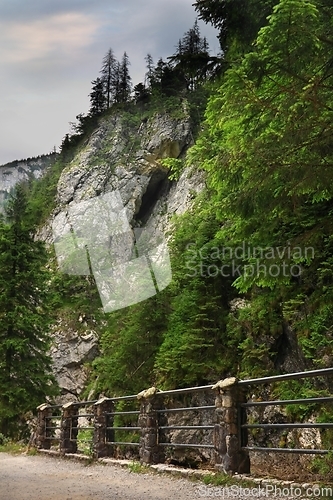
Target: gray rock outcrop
[23, 170]
[126, 158]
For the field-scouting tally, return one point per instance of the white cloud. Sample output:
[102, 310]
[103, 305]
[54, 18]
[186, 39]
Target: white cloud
[58, 34]
[51, 50]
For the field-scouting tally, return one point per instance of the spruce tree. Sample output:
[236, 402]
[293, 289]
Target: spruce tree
[98, 100]
[125, 82]
[192, 57]
[149, 76]
[25, 366]
[267, 144]
[109, 76]
[238, 21]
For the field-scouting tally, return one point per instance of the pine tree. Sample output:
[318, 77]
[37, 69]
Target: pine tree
[268, 144]
[109, 76]
[25, 367]
[141, 94]
[159, 71]
[238, 21]
[125, 82]
[98, 100]
[192, 42]
[149, 76]
[192, 57]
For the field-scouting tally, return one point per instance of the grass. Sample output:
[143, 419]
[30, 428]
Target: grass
[138, 468]
[32, 451]
[220, 479]
[15, 448]
[84, 442]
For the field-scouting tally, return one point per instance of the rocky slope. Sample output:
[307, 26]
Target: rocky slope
[125, 157]
[16, 171]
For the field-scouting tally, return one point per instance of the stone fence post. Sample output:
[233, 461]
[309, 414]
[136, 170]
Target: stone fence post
[69, 431]
[102, 435]
[229, 456]
[42, 434]
[150, 451]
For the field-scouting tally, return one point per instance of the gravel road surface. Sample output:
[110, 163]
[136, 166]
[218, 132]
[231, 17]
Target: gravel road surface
[25, 477]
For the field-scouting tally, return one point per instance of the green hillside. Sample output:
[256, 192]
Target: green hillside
[252, 258]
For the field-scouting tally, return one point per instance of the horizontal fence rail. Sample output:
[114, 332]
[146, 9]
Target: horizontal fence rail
[288, 376]
[154, 422]
[285, 425]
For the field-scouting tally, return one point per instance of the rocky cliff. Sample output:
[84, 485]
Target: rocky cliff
[23, 170]
[124, 155]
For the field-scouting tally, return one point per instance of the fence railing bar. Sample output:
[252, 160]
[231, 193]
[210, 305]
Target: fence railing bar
[84, 403]
[306, 451]
[123, 413]
[83, 428]
[186, 427]
[122, 443]
[288, 426]
[183, 445]
[190, 408]
[186, 390]
[287, 376]
[125, 398]
[228, 424]
[86, 415]
[281, 402]
[124, 428]
[75, 440]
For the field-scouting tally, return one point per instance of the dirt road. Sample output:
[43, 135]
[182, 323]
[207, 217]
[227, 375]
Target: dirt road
[46, 478]
[38, 477]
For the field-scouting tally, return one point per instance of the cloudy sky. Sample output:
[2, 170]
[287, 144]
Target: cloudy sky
[51, 50]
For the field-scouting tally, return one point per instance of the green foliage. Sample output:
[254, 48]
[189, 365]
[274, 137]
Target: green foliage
[175, 166]
[138, 468]
[266, 148]
[3, 439]
[13, 447]
[192, 57]
[195, 333]
[220, 479]
[178, 337]
[269, 127]
[238, 21]
[85, 441]
[25, 367]
[42, 193]
[252, 329]
[128, 346]
[323, 465]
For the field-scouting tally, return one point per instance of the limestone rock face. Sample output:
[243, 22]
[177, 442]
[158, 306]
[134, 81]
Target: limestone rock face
[16, 171]
[122, 155]
[70, 350]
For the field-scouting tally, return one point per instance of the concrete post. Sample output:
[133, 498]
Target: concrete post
[150, 452]
[69, 431]
[228, 435]
[102, 435]
[42, 440]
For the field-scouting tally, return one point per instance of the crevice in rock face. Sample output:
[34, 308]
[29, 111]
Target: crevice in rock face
[289, 357]
[65, 391]
[158, 185]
